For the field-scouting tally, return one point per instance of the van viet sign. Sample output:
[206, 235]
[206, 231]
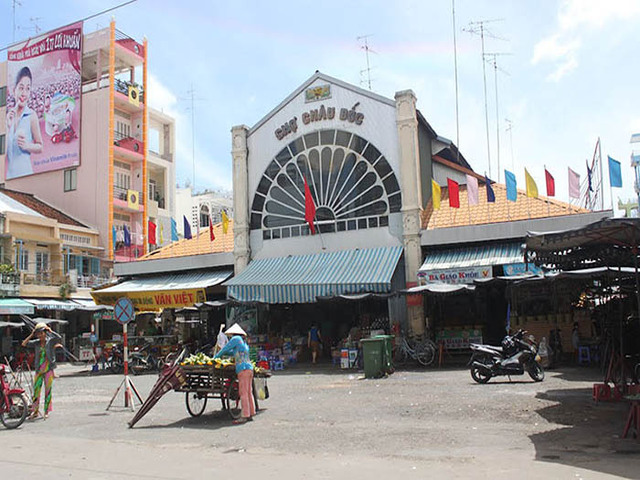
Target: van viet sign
[455, 275]
[349, 115]
[153, 299]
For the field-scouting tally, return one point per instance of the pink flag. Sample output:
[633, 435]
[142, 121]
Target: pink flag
[472, 190]
[574, 184]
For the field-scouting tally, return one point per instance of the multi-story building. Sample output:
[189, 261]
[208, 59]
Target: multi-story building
[122, 178]
[202, 208]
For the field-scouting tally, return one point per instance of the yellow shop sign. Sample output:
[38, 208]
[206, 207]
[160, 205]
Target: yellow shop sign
[155, 299]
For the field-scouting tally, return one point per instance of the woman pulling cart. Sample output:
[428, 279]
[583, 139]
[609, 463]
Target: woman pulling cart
[238, 347]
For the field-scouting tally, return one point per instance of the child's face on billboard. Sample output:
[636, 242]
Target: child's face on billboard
[23, 91]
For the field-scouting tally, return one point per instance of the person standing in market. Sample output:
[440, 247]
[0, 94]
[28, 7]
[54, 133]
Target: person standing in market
[45, 363]
[221, 341]
[239, 348]
[314, 339]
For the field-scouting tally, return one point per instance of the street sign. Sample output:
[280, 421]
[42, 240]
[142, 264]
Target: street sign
[123, 311]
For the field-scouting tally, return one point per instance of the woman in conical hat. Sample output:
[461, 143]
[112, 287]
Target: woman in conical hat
[238, 347]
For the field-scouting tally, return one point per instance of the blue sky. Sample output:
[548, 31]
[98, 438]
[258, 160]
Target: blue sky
[570, 78]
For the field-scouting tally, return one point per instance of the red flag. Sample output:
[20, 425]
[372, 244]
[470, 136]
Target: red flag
[309, 207]
[454, 193]
[551, 184]
[152, 233]
[211, 234]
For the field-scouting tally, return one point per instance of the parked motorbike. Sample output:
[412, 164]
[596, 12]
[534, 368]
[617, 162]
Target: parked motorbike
[515, 357]
[13, 403]
[142, 360]
[115, 361]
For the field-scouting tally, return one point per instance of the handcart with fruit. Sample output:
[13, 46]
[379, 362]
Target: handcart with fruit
[206, 377]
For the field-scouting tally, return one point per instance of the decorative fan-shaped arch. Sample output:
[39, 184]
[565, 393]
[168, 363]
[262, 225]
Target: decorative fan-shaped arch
[352, 184]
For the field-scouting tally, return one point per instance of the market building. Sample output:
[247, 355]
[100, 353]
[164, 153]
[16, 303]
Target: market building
[103, 155]
[365, 163]
[368, 162]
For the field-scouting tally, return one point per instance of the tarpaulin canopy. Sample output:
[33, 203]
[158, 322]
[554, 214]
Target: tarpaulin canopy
[440, 289]
[52, 304]
[610, 242]
[15, 306]
[304, 278]
[479, 256]
[163, 291]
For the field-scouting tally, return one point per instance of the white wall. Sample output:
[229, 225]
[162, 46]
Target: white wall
[378, 127]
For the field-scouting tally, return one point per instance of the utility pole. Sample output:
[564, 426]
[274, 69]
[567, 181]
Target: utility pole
[14, 4]
[479, 28]
[455, 75]
[510, 130]
[366, 49]
[492, 58]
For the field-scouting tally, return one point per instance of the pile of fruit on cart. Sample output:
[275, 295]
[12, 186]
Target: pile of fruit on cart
[201, 359]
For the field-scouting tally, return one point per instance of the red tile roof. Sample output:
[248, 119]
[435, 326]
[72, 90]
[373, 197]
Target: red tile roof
[198, 245]
[43, 208]
[502, 210]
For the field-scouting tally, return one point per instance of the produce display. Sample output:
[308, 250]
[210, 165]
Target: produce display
[219, 363]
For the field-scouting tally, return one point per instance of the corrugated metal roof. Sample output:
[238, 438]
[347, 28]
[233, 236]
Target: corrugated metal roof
[303, 278]
[481, 256]
[177, 281]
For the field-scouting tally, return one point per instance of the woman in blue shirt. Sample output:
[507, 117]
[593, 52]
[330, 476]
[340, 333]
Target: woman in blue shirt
[238, 347]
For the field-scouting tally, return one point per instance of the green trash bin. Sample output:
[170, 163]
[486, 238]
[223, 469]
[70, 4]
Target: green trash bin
[372, 353]
[387, 353]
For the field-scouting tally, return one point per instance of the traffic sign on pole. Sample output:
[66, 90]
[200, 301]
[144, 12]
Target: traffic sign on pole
[123, 310]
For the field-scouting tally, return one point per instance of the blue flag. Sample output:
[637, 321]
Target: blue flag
[187, 228]
[113, 238]
[491, 196]
[512, 186]
[589, 172]
[174, 231]
[615, 176]
[127, 237]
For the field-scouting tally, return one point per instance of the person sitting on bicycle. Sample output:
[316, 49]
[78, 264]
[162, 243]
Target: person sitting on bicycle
[45, 364]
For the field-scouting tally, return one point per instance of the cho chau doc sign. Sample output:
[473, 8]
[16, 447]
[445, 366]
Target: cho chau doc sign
[320, 114]
[455, 275]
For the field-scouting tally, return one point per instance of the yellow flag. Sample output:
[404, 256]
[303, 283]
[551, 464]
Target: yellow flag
[532, 188]
[133, 201]
[435, 194]
[225, 222]
[161, 234]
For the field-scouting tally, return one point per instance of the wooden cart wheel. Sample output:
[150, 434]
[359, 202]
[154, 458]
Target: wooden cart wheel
[196, 403]
[233, 400]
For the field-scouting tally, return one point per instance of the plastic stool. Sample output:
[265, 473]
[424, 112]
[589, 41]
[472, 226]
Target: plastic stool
[601, 391]
[584, 355]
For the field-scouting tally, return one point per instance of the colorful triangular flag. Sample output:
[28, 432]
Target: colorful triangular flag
[225, 222]
[187, 228]
[309, 207]
[615, 175]
[574, 184]
[532, 188]
[551, 184]
[436, 194]
[454, 193]
[472, 190]
[212, 235]
[512, 186]
[491, 195]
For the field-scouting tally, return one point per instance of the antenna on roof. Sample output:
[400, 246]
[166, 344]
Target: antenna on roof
[492, 59]
[366, 49]
[14, 4]
[479, 28]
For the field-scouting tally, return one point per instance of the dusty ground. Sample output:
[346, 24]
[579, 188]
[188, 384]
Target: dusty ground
[324, 423]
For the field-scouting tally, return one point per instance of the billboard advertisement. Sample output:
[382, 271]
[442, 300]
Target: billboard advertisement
[44, 85]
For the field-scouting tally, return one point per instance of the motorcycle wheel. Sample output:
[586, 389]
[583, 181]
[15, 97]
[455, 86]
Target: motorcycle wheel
[536, 372]
[17, 412]
[479, 375]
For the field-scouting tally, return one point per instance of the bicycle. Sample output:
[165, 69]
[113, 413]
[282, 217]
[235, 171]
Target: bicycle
[421, 350]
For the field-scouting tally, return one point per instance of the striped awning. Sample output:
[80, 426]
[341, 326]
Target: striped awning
[304, 278]
[481, 256]
[52, 304]
[15, 306]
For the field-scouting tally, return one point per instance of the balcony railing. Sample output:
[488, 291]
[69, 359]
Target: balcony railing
[120, 193]
[129, 43]
[90, 281]
[122, 87]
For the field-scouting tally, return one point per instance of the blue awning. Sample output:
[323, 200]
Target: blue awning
[481, 256]
[15, 306]
[303, 278]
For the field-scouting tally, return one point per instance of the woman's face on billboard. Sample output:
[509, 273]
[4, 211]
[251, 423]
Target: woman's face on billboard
[23, 91]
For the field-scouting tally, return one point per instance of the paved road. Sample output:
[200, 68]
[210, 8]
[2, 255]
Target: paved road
[329, 424]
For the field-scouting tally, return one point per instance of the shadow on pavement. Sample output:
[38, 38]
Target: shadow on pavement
[211, 420]
[590, 438]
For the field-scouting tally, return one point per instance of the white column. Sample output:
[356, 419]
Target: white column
[409, 154]
[239, 152]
